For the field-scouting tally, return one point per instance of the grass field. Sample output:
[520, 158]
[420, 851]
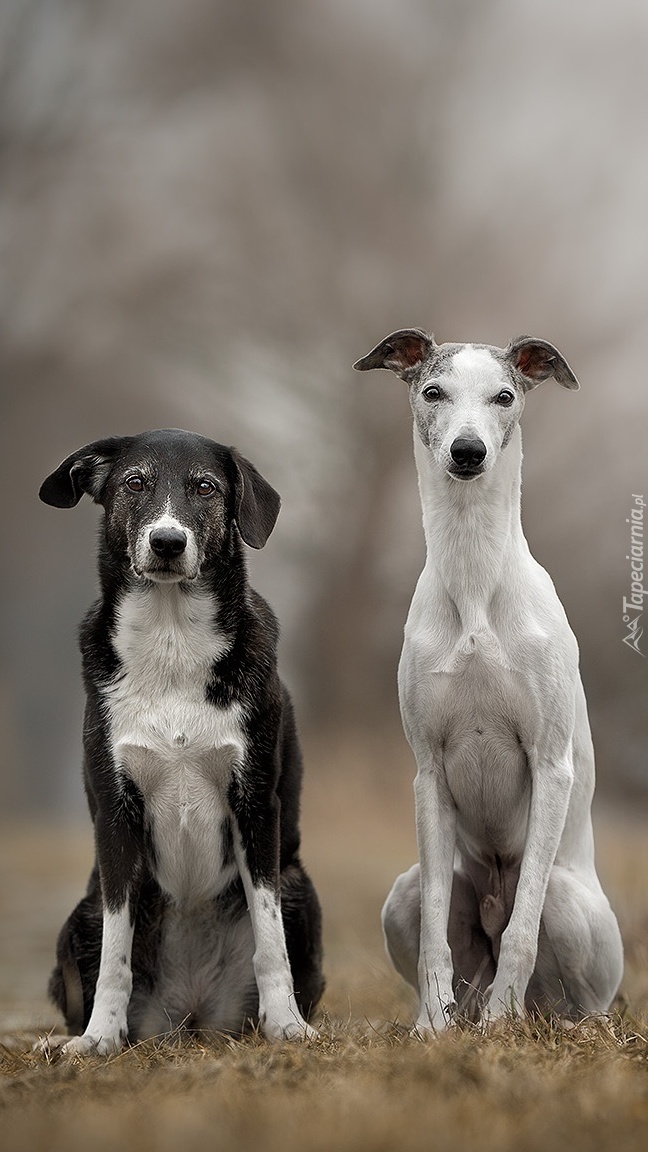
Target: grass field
[364, 1084]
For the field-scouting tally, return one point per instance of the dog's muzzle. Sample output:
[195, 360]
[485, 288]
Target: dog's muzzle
[468, 456]
[166, 552]
[168, 543]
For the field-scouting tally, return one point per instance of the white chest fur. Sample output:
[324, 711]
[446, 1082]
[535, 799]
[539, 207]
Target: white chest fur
[177, 748]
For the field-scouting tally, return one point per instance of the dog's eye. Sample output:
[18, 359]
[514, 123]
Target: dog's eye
[205, 487]
[135, 484]
[432, 392]
[505, 398]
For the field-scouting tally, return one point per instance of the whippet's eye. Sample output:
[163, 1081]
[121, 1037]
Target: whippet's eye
[432, 392]
[505, 398]
[205, 487]
[135, 484]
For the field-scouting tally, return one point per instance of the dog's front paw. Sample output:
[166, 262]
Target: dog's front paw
[422, 1032]
[88, 1045]
[501, 1003]
[293, 1029]
[433, 1020]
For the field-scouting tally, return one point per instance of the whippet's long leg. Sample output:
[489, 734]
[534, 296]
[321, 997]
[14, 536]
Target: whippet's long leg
[472, 957]
[550, 791]
[436, 834]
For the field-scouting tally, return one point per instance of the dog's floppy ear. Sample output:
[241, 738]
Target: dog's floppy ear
[86, 470]
[537, 360]
[402, 352]
[256, 504]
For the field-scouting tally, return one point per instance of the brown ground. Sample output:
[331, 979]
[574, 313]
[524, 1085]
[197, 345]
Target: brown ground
[364, 1084]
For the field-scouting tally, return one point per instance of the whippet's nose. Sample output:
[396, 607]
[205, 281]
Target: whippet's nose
[168, 542]
[466, 453]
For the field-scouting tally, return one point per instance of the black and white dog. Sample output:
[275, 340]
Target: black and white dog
[198, 911]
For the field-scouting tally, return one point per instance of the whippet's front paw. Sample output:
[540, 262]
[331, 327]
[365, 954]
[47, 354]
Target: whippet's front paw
[88, 1045]
[423, 1032]
[501, 1003]
[432, 1022]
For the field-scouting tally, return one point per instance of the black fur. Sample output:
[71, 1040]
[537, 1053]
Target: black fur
[264, 795]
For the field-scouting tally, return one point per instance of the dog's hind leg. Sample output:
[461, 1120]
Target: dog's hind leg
[78, 950]
[580, 954]
[472, 957]
[401, 922]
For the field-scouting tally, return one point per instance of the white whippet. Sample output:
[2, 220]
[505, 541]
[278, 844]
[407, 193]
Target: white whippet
[505, 910]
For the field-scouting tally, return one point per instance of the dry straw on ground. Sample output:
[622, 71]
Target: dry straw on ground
[364, 1085]
[527, 1088]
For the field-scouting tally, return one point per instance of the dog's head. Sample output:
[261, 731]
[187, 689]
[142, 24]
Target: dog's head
[467, 398]
[171, 499]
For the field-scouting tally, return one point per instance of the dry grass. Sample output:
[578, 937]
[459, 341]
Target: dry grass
[364, 1084]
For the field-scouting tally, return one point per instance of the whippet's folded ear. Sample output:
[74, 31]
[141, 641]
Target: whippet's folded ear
[86, 470]
[537, 360]
[402, 352]
[256, 504]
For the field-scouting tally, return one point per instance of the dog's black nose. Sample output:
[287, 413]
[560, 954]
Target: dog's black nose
[168, 542]
[466, 453]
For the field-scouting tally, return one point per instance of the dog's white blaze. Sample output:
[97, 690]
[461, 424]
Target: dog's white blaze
[478, 376]
[177, 748]
[144, 554]
[476, 366]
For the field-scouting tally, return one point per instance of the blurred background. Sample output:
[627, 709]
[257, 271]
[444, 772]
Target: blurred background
[210, 208]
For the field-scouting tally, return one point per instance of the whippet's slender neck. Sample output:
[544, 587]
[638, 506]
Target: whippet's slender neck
[473, 529]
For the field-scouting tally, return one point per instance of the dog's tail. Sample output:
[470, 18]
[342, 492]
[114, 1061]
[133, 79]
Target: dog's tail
[492, 913]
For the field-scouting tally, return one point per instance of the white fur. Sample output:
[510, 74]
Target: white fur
[177, 748]
[494, 710]
[107, 1027]
[279, 1015]
[188, 564]
[477, 374]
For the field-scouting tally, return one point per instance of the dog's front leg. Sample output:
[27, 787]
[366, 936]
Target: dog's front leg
[257, 855]
[551, 788]
[119, 836]
[436, 833]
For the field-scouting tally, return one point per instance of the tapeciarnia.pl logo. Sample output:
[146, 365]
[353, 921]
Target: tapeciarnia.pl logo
[633, 605]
